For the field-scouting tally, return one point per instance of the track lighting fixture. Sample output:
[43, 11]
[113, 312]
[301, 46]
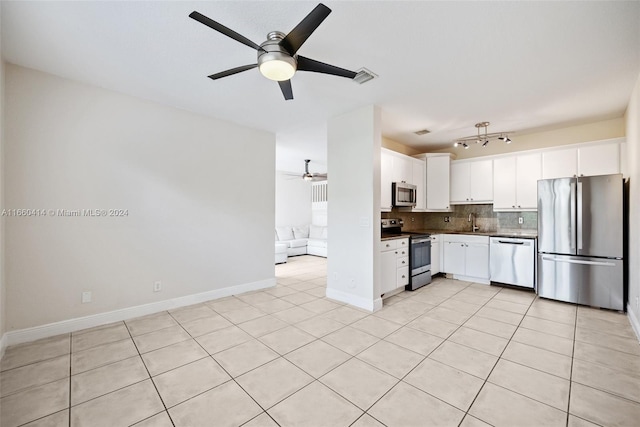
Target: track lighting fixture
[482, 139]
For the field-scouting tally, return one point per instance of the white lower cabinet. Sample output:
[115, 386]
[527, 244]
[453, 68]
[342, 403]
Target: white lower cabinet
[466, 257]
[394, 265]
[435, 254]
[454, 257]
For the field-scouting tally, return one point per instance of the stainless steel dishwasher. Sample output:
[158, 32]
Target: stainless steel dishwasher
[512, 261]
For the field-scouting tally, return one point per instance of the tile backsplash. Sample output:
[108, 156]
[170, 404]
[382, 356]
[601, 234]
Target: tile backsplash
[486, 219]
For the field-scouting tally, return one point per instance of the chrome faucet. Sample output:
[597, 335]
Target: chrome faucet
[472, 220]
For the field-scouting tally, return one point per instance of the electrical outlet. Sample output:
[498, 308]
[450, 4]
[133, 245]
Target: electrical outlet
[446, 219]
[86, 297]
[157, 286]
[413, 219]
[520, 220]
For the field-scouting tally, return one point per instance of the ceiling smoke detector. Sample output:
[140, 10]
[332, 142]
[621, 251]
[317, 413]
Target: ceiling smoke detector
[363, 75]
[422, 132]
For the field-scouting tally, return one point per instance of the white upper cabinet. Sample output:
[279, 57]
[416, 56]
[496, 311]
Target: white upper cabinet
[437, 181]
[386, 178]
[586, 160]
[528, 172]
[560, 163]
[601, 159]
[397, 167]
[472, 181]
[402, 169]
[504, 183]
[515, 181]
[419, 180]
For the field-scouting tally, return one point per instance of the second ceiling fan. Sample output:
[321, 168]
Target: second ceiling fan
[277, 59]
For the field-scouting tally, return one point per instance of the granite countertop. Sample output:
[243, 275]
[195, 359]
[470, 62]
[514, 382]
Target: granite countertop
[524, 234]
[395, 236]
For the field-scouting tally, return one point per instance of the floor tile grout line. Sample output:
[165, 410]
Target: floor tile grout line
[149, 373]
[494, 365]
[449, 298]
[231, 377]
[423, 359]
[573, 352]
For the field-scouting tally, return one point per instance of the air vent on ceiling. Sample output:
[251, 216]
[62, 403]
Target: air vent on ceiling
[422, 132]
[363, 75]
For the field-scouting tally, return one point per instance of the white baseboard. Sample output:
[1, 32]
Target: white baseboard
[635, 324]
[471, 279]
[356, 301]
[77, 324]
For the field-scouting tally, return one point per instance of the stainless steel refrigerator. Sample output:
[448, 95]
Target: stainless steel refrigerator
[580, 240]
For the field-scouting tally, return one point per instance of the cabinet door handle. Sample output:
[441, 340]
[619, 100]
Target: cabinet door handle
[472, 199]
[513, 206]
[403, 262]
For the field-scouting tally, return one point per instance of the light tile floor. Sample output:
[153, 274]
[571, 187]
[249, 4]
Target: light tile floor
[450, 354]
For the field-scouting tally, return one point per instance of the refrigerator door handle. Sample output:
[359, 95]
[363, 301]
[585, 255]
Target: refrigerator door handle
[572, 214]
[579, 215]
[577, 261]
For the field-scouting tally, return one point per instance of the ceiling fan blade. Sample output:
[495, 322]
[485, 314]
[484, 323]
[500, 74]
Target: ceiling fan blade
[306, 64]
[285, 86]
[303, 30]
[222, 29]
[232, 71]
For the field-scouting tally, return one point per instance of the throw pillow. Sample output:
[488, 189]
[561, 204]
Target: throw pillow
[284, 233]
[301, 232]
[315, 232]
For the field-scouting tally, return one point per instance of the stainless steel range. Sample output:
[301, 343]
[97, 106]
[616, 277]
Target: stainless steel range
[419, 252]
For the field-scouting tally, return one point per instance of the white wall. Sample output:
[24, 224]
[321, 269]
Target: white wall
[353, 212]
[293, 200]
[633, 164]
[197, 220]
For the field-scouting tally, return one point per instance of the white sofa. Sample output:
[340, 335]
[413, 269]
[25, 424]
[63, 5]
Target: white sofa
[311, 240]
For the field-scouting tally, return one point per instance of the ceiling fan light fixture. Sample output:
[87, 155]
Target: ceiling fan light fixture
[280, 68]
[307, 177]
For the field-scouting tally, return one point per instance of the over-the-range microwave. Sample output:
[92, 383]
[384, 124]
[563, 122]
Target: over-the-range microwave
[403, 194]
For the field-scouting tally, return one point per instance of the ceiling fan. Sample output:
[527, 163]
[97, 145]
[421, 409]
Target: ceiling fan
[307, 176]
[277, 59]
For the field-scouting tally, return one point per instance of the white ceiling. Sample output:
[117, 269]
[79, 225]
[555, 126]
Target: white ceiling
[442, 65]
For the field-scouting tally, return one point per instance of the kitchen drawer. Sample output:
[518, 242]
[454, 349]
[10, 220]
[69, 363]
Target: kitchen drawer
[403, 276]
[404, 244]
[389, 245]
[403, 261]
[401, 252]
